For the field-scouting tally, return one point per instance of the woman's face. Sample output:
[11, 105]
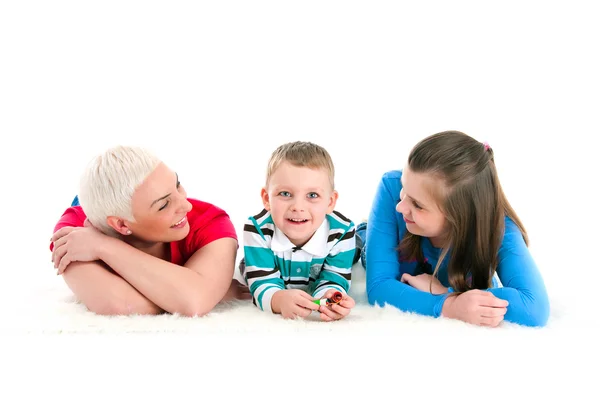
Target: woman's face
[160, 208]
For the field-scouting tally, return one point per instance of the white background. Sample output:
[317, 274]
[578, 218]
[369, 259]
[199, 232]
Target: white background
[214, 87]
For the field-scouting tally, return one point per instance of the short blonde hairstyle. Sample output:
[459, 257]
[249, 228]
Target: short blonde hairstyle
[302, 154]
[108, 183]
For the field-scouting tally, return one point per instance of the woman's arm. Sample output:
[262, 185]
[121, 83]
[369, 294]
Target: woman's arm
[106, 293]
[383, 266]
[193, 289]
[523, 286]
[95, 285]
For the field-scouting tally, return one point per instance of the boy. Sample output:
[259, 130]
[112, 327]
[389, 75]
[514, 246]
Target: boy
[298, 251]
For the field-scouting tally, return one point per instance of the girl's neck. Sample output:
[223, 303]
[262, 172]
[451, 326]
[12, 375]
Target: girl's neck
[437, 242]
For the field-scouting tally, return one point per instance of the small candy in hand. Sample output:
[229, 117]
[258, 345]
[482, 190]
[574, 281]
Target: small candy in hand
[335, 299]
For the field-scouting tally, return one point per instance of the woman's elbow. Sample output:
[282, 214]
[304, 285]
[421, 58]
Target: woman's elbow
[115, 308]
[200, 305]
[194, 310]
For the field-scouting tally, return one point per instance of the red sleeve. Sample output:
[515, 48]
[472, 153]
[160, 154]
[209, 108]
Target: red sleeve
[214, 224]
[72, 217]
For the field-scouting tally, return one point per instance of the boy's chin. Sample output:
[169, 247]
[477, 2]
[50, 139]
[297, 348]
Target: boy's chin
[300, 240]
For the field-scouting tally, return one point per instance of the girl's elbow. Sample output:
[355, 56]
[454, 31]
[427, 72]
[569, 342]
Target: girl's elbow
[373, 293]
[541, 315]
[371, 298]
[538, 313]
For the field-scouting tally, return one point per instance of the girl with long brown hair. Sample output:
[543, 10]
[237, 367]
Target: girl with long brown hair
[443, 240]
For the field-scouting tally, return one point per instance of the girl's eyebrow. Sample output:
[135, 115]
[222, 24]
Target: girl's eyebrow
[412, 198]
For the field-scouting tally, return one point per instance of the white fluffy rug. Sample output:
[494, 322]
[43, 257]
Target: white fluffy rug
[375, 350]
[51, 308]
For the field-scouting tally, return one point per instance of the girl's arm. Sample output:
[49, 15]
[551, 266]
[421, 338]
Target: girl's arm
[383, 266]
[523, 286]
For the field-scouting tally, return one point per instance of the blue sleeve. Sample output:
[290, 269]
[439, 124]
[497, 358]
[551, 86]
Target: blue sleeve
[523, 286]
[384, 267]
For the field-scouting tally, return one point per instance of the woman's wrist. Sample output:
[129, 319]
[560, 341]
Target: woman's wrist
[105, 246]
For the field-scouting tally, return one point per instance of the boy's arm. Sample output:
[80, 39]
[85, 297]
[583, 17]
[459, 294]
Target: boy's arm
[261, 272]
[337, 268]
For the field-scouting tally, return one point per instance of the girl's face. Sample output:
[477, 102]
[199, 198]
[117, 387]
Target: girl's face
[421, 213]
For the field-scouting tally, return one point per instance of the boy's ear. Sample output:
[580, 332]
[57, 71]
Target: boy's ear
[265, 199]
[118, 224]
[332, 201]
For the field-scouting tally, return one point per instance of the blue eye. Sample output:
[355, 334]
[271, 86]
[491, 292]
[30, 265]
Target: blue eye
[285, 194]
[313, 195]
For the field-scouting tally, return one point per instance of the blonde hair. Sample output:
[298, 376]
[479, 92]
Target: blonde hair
[108, 183]
[301, 154]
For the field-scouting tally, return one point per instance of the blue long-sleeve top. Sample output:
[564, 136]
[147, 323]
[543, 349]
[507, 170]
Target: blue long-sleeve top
[522, 283]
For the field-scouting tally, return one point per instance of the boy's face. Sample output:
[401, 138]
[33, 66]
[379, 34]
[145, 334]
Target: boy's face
[298, 199]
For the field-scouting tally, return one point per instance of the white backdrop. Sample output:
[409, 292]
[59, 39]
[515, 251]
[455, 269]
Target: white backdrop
[213, 88]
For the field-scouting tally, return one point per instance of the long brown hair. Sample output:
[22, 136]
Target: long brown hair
[470, 196]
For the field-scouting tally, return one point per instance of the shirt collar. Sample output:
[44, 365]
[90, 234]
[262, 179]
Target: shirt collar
[317, 245]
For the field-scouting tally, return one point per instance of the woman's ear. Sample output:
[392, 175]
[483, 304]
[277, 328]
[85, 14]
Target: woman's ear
[119, 225]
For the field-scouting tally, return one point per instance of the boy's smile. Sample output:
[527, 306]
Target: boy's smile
[298, 199]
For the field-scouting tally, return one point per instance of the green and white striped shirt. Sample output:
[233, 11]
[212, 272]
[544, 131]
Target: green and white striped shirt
[272, 262]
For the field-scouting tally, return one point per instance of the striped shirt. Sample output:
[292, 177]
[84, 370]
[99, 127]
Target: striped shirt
[272, 262]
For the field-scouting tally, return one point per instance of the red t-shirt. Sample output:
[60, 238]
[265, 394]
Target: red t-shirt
[207, 223]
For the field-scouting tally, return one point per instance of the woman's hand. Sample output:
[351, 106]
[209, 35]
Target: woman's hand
[76, 244]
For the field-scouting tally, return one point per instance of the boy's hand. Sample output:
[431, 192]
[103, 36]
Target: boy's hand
[293, 303]
[336, 311]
